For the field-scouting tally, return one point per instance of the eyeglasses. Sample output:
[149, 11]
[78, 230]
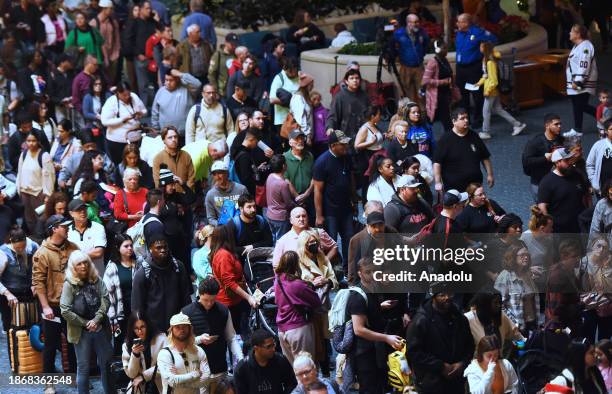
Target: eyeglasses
[305, 372]
[184, 355]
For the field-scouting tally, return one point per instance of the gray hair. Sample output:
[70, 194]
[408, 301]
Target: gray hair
[130, 172]
[191, 28]
[373, 206]
[303, 359]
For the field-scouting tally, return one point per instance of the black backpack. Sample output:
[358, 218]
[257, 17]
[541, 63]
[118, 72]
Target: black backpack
[87, 301]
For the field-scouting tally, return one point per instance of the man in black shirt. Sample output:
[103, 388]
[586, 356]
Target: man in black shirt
[406, 212]
[441, 344]
[370, 350]
[561, 193]
[240, 101]
[251, 229]
[264, 371]
[458, 156]
[155, 200]
[538, 150]
[334, 190]
[212, 326]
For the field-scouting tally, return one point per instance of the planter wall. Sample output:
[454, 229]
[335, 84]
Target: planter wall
[320, 63]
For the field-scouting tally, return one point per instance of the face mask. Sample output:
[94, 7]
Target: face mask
[313, 248]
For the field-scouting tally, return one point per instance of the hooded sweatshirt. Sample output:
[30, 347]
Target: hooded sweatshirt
[161, 292]
[407, 218]
[275, 378]
[48, 267]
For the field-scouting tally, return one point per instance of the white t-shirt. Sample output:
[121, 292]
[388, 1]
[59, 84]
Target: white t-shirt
[94, 236]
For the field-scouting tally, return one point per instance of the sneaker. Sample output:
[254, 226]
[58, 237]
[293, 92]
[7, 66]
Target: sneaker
[516, 130]
[484, 136]
[49, 389]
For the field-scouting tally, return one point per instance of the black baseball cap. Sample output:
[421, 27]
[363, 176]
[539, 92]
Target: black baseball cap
[232, 38]
[76, 205]
[57, 220]
[375, 218]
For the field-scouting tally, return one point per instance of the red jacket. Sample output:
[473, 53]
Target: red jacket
[135, 203]
[227, 269]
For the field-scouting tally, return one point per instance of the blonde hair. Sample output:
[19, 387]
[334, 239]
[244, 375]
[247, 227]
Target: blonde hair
[77, 257]
[191, 346]
[301, 246]
[399, 123]
[314, 93]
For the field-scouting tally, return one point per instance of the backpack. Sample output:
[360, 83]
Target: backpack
[86, 301]
[233, 175]
[228, 211]
[504, 77]
[198, 111]
[238, 224]
[427, 230]
[398, 374]
[343, 335]
[136, 232]
[39, 157]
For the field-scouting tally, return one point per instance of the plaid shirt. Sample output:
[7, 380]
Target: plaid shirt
[111, 281]
[513, 290]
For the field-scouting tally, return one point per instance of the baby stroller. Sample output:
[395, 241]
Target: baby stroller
[535, 368]
[259, 274]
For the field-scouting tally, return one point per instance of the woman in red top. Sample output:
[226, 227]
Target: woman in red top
[227, 269]
[136, 198]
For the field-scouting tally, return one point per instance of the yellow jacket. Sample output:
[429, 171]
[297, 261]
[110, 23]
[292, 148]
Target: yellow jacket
[489, 80]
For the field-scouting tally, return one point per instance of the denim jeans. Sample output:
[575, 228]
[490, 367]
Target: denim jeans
[278, 228]
[143, 79]
[100, 342]
[341, 224]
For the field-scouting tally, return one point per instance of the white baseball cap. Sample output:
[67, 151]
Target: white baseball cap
[561, 154]
[406, 181]
[219, 165]
[105, 4]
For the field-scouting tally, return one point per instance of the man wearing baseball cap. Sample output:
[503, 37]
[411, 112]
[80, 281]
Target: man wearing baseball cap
[334, 191]
[299, 170]
[183, 366]
[220, 62]
[223, 193]
[407, 212]
[89, 236]
[561, 193]
[48, 266]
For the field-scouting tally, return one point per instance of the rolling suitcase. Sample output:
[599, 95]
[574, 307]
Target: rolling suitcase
[24, 359]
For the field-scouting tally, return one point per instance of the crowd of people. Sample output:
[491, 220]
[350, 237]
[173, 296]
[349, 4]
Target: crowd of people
[135, 238]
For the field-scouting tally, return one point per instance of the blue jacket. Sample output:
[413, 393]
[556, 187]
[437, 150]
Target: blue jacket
[468, 44]
[411, 53]
[88, 111]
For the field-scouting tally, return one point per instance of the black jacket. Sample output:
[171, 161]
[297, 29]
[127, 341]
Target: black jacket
[60, 86]
[347, 112]
[141, 31]
[535, 164]
[275, 378]
[434, 339]
[211, 322]
[161, 292]
[407, 218]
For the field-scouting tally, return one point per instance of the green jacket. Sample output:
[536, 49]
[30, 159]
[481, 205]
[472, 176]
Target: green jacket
[76, 323]
[92, 42]
[184, 56]
[218, 71]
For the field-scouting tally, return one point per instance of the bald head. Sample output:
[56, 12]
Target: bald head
[298, 219]
[464, 21]
[412, 22]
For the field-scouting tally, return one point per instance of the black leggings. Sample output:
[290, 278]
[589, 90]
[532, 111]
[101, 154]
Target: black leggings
[580, 105]
[115, 151]
[471, 73]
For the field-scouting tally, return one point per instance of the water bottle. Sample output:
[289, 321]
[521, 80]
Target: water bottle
[520, 347]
